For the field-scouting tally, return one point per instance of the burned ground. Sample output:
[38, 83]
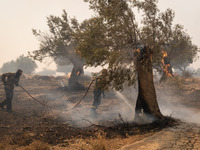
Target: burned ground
[55, 125]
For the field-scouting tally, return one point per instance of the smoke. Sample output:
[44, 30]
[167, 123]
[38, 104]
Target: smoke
[107, 113]
[171, 104]
[118, 105]
[125, 100]
[115, 107]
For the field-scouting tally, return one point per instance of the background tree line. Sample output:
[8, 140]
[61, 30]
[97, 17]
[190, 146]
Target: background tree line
[22, 62]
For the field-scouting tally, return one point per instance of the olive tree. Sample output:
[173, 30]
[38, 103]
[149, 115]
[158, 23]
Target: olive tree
[59, 44]
[129, 47]
[181, 50]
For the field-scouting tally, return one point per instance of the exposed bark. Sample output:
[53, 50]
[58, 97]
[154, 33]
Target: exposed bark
[146, 105]
[77, 70]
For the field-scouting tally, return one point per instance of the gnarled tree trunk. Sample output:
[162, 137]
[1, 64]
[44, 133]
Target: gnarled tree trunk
[146, 106]
[77, 70]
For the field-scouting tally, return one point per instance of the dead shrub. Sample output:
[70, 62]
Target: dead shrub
[7, 144]
[93, 143]
[2, 146]
[36, 145]
[99, 142]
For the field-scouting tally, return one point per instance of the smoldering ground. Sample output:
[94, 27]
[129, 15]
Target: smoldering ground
[123, 103]
[28, 120]
[176, 106]
[171, 102]
[112, 108]
[116, 106]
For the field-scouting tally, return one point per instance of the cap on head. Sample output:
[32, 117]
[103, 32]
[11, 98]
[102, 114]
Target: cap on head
[19, 72]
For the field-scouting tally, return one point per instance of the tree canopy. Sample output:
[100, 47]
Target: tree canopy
[181, 51]
[114, 35]
[58, 42]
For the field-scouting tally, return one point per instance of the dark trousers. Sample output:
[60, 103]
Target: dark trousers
[96, 102]
[8, 100]
[97, 98]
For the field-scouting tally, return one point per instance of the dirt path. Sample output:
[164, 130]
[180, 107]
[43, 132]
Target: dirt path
[184, 136]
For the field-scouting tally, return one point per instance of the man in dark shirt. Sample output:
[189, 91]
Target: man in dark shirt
[9, 80]
[100, 86]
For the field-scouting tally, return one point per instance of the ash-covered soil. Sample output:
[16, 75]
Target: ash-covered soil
[52, 121]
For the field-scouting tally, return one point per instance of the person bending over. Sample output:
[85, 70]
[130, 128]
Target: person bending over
[10, 80]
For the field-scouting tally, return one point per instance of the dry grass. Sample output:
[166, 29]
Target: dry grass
[93, 143]
[7, 144]
[35, 145]
[100, 142]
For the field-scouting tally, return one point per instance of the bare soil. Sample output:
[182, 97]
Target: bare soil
[49, 118]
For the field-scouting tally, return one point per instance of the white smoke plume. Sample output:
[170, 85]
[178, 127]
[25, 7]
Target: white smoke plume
[171, 104]
[121, 104]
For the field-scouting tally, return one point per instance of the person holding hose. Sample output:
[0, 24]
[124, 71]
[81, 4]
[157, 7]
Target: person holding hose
[10, 80]
[100, 85]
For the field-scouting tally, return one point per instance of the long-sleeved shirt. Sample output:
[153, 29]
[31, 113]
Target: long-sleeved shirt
[10, 80]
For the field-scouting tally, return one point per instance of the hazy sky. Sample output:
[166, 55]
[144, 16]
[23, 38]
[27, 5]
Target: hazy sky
[19, 17]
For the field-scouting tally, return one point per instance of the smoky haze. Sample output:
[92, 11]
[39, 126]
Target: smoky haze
[171, 104]
[19, 17]
[114, 107]
[118, 105]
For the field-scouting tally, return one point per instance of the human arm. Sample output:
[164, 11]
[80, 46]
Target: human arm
[17, 82]
[4, 78]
